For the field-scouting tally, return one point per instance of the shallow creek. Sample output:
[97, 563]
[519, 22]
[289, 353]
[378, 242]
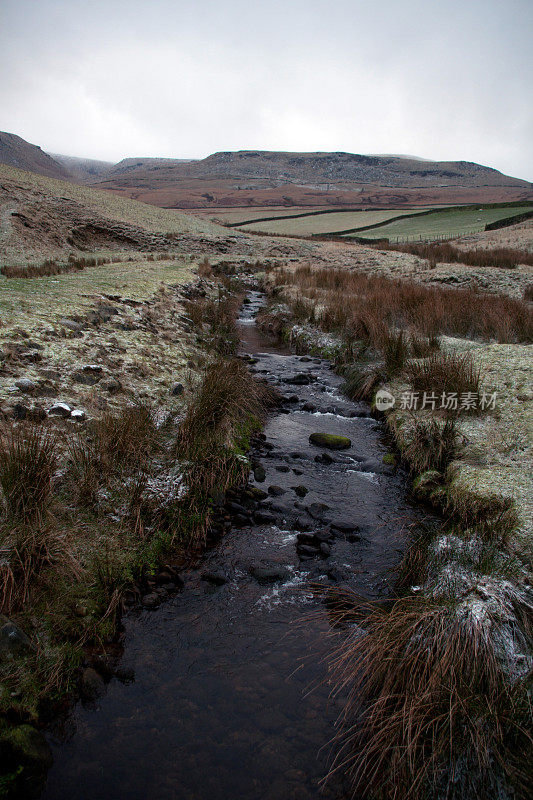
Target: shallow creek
[231, 696]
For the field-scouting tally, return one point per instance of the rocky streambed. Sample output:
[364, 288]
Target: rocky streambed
[227, 691]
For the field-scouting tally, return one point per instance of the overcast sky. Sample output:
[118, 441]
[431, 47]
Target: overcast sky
[449, 80]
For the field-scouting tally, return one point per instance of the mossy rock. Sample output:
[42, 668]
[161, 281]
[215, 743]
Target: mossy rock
[389, 459]
[330, 441]
[27, 746]
[427, 483]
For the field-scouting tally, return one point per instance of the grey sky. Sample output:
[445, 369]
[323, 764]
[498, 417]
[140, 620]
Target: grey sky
[185, 78]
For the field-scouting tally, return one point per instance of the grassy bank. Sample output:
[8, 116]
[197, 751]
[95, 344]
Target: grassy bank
[439, 680]
[98, 515]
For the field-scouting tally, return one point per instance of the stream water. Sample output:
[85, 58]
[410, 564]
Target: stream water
[231, 697]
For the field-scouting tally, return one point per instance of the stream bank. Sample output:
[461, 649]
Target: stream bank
[228, 689]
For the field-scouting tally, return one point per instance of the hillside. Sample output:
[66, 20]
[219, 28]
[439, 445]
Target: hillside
[257, 178]
[42, 217]
[133, 165]
[391, 171]
[17, 152]
[83, 169]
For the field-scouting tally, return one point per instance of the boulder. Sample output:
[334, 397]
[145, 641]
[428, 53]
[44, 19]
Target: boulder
[215, 576]
[70, 325]
[269, 574]
[151, 600]
[330, 441]
[92, 369]
[13, 641]
[259, 473]
[300, 491]
[60, 410]
[25, 385]
[301, 379]
[86, 378]
[92, 684]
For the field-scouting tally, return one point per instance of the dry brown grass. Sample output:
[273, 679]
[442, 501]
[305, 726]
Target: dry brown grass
[30, 537]
[432, 444]
[219, 315]
[438, 252]
[28, 460]
[367, 305]
[444, 373]
[430, 711]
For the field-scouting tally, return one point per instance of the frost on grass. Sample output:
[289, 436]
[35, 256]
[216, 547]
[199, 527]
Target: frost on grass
[312, 340]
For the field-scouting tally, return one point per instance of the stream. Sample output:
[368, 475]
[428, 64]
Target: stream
[231, 697]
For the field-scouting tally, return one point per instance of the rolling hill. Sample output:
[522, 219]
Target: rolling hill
[44, 217]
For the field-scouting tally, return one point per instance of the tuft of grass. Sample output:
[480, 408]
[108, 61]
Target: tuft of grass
[214, 436]
[219, 314]
[28, 460]
[124, 440]
[361, 382]
[432, 444]
[430, 709]
[444, 373]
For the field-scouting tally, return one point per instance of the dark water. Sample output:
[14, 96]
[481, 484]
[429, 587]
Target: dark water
[231, 696]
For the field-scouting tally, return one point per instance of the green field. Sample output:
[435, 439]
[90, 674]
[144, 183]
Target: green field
[330, 222]
[236, 216]
[442, 224]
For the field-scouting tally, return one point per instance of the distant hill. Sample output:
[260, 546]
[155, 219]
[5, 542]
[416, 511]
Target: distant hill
[83, 169]
[248, 178]
[17, 152]
[262, 178]
[129, 165]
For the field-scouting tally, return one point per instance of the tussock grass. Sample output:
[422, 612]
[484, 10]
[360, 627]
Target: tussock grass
[432, 444]
[362, 381]
[214, 436]
[493, 516]
[28, 460]
[363, 305]
[444, 373]
[430, 710]
[219, 314]
[31, 539]
[115, 443]
[438, 252]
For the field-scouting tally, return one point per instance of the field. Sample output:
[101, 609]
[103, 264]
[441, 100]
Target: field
[234, 216]
[442, 224]
[312, 224]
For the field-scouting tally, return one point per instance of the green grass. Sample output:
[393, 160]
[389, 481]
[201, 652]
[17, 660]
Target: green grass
[313, 224]
[448, 222]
